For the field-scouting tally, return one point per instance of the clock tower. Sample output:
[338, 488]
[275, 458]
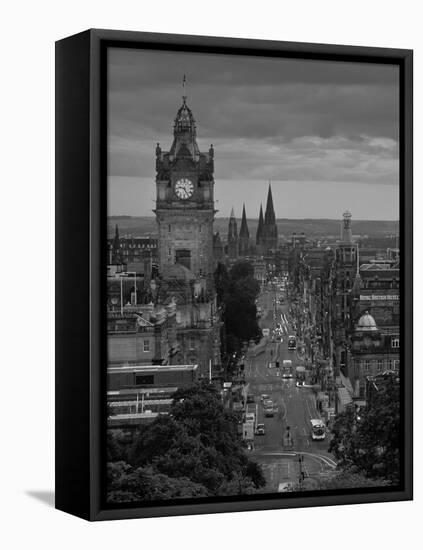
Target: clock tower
[185, 201]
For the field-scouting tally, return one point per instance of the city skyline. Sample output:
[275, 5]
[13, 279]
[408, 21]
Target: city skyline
[322, 130]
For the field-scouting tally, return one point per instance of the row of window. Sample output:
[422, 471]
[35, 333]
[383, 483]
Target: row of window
[126, 246]
[381, 366]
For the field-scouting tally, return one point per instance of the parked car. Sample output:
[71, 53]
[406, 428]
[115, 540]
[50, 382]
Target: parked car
[264, 397]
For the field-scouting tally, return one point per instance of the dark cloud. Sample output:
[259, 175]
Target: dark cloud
[283, 119]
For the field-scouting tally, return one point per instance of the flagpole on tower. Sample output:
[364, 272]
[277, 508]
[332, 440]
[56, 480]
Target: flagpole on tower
[184, 94]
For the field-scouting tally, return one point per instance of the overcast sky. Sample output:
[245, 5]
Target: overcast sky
[324, 133]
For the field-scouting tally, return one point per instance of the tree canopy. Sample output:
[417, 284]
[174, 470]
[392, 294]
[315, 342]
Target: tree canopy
[368, 440]
[237, 292]
[196, 447]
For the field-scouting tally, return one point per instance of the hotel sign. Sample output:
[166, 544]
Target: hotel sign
[379, 297]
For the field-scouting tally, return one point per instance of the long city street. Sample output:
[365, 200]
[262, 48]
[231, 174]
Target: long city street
[295, 406]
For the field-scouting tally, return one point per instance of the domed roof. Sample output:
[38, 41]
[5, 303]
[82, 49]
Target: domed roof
[366, 323]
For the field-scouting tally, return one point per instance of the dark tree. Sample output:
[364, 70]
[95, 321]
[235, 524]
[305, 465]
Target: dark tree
[221, 281]
[240, 311]
[127, 484]
[368, 440]
[197, 443]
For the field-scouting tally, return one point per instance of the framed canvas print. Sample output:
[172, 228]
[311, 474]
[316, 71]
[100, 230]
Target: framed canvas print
[234, 275]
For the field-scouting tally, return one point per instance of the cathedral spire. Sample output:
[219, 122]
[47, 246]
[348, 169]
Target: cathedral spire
[244, 235]
[357, 280]
[269, 216]
[232, 237]
[243, 232]
[270, 230]
[259, 234]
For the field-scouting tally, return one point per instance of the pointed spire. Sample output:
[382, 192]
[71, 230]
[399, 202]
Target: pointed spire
[259, 234]
[269, 216]
[244, 235]
[357, 279]
[243, 232]
[232, 236]
[270, 229]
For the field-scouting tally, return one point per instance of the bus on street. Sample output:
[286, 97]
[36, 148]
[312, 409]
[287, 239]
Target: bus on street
[287, 368]
[318, 429]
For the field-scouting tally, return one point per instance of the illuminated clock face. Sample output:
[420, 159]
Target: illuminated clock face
[184, 188]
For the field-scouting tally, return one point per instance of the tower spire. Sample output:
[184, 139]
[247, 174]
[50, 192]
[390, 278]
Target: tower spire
[270, 230]
[244, 235]
[357, 279]
[232, 237]
[259, 234]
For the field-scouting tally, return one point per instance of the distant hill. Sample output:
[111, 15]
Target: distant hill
[140, 226]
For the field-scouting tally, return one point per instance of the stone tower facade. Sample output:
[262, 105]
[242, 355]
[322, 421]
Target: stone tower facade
[185, 214]
[345, 280]
[244, 236]
[185, 201]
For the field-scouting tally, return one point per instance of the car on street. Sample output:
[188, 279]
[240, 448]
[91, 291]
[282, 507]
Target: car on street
[250, 398]
[269, 412]
[260, 430]
[267, 403]
[264, 397]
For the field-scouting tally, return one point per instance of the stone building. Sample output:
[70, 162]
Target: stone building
[142, 335]
[346, 257]
[372, 354]
[218, 249]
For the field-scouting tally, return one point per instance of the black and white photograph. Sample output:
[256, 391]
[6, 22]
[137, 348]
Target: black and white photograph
[253, 276]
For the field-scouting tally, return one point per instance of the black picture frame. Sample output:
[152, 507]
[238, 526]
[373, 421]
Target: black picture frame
[80, 260]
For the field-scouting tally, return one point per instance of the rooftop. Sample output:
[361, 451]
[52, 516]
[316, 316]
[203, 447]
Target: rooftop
[150, 369]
